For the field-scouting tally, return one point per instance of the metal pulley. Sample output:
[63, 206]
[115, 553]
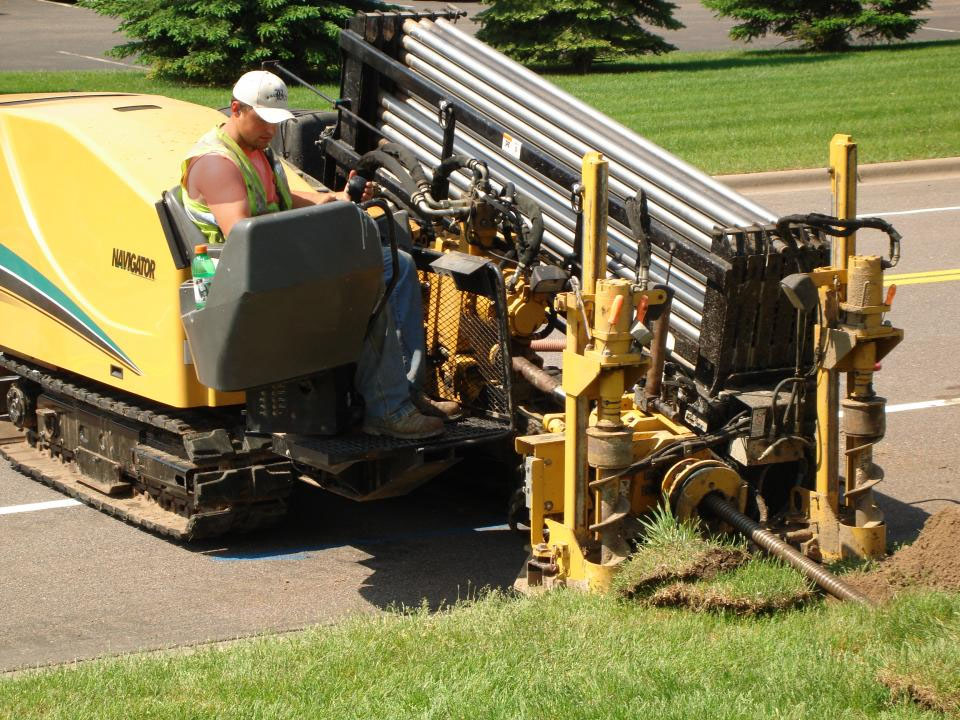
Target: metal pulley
[21, 408]
[688, 482]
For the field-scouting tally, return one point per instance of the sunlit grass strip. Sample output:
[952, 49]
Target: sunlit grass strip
[724, 112]
[741, 111]
[562, 655]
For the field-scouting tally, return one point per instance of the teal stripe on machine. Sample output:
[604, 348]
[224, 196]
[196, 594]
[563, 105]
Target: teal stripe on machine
[25, 281]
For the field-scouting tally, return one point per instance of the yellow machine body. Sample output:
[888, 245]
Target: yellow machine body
[87, 279]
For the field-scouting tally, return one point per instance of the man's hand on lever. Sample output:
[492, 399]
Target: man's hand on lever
[305, 198]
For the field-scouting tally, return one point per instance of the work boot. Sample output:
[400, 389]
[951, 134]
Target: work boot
[448, 410]
[412, 425]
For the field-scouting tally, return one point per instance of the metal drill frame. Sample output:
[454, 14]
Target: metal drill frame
[748, 333]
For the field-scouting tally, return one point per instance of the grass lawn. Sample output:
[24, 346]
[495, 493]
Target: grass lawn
[138, 82]
[562, 655]
[739, 111]
[725, 112]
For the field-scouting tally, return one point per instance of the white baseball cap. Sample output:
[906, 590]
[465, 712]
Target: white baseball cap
[265, 93]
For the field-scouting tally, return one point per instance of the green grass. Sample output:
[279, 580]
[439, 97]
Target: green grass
[742, 111]
[675, 566]
[560, 655]
[138, 82]
[734, 111]
[724, 112]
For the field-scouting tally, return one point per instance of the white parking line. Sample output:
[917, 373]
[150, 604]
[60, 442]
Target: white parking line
[909, 212]
[109, 62]
[940, 29]
[32, 507]
[902, 407]
[69, 502]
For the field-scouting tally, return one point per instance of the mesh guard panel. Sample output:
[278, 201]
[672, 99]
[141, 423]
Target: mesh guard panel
[466, 344]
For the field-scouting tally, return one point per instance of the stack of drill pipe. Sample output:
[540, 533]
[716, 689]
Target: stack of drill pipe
[616, 141]
[688, 202]
[410, 123]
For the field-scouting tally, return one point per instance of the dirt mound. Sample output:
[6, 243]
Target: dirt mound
[932, 561]
[923, 695]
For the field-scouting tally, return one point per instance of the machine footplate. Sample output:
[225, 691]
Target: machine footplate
[332, 451]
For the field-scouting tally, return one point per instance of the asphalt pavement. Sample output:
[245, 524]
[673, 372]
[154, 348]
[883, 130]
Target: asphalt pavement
[77, 584]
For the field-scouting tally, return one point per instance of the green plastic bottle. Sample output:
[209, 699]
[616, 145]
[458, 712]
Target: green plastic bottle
[203, 269]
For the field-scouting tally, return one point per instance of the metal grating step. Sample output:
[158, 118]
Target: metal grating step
[330, 451]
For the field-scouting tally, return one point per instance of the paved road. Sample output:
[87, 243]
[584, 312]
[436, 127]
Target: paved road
[45, 35]
[704, 31]
[921, 454]
[78, 584]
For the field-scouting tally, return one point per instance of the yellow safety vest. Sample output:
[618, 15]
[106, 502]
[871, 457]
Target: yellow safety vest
[219, 143]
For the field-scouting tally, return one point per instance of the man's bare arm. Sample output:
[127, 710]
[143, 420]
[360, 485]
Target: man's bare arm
[306, 198]
[218, 183]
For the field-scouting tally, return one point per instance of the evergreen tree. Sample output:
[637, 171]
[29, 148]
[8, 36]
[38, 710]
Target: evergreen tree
[575, 32]
[822, 24]
[214, 41]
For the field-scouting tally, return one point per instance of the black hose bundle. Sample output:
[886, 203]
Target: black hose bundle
[440, 187]
[372, 161]
[408, 161]
[839, 227]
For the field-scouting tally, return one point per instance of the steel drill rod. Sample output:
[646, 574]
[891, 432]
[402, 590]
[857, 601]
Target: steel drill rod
[561, 138]
[775, 546]
[689, 284]
[687, 310]
[560, 239]
[615, 131]
[622, 240]
[671, 211]
[522, 97]
[540, 379]
[424, 122]
[564, 127]
[664, 205]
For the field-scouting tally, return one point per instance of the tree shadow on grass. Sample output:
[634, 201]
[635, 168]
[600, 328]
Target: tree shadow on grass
[695, 62]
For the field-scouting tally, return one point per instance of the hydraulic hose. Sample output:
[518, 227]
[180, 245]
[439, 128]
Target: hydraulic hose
[375, 159]
[440, 187]
[409, 161]
[841, 227]
[532, 236]
[768, 541]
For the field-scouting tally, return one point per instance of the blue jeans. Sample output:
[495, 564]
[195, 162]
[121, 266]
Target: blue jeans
[380, 377]
[407, 314]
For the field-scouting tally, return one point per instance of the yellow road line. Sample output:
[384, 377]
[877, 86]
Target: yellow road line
[931, 276]
[905, 276]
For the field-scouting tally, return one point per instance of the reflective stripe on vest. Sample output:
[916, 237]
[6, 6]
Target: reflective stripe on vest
[217, 142]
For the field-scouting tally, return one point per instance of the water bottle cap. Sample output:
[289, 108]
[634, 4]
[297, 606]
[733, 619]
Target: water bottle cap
[199, 249]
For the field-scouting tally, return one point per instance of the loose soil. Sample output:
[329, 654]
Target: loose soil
[699, 599]
[931, 562]
[923, 695]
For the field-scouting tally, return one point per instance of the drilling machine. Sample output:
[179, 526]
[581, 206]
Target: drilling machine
[611, 459]
[687, 311]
